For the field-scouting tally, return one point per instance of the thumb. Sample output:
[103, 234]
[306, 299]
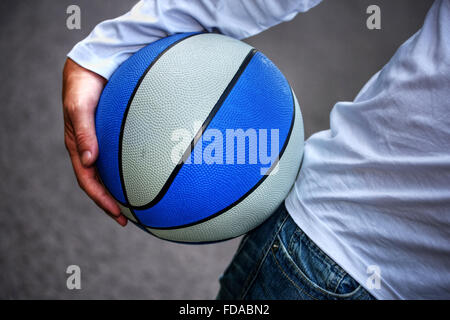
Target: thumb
[84, 128]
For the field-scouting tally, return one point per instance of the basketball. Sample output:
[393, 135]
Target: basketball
[200, 137]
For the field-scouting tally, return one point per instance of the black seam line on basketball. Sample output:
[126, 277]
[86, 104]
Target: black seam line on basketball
[249, 191]
[180, 241]
[130, 100]
[198, 135]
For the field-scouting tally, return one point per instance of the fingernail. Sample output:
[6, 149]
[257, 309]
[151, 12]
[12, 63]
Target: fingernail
[86, 157]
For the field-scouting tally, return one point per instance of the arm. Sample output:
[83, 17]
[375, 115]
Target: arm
[92, 61]
[113, 41]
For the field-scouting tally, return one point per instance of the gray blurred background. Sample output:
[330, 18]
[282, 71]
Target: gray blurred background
[47, 223]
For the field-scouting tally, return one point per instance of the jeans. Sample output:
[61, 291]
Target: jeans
[277, 260]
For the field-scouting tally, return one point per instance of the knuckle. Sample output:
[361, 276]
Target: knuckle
[83, 138]
[69, 143]
[81, 184]
[71, 106]
[75, 106]
[103, 195]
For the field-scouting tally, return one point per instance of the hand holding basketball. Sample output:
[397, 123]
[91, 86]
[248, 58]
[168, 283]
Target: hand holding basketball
[183, 137]
[81, 91]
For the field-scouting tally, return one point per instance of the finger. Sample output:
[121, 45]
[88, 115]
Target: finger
[71, 147]
[84, 129]
[122, 220]
[95, 190]
[89, 182]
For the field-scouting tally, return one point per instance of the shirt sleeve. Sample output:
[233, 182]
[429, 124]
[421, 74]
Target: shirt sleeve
[112, 41]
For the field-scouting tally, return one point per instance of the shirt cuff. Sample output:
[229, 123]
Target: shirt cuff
[104, 66]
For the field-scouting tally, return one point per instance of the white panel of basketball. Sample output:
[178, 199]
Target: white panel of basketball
[127, 213]
[257, 206]
[180, 89]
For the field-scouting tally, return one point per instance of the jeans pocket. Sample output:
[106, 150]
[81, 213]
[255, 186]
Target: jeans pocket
[320, 272]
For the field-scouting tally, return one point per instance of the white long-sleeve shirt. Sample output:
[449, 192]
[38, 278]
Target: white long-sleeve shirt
[374, 190]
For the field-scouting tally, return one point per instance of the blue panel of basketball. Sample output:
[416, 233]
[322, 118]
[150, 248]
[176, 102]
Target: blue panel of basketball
[261, 99]
[112, 106]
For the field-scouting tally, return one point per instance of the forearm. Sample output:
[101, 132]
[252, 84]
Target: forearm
[113, 41]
